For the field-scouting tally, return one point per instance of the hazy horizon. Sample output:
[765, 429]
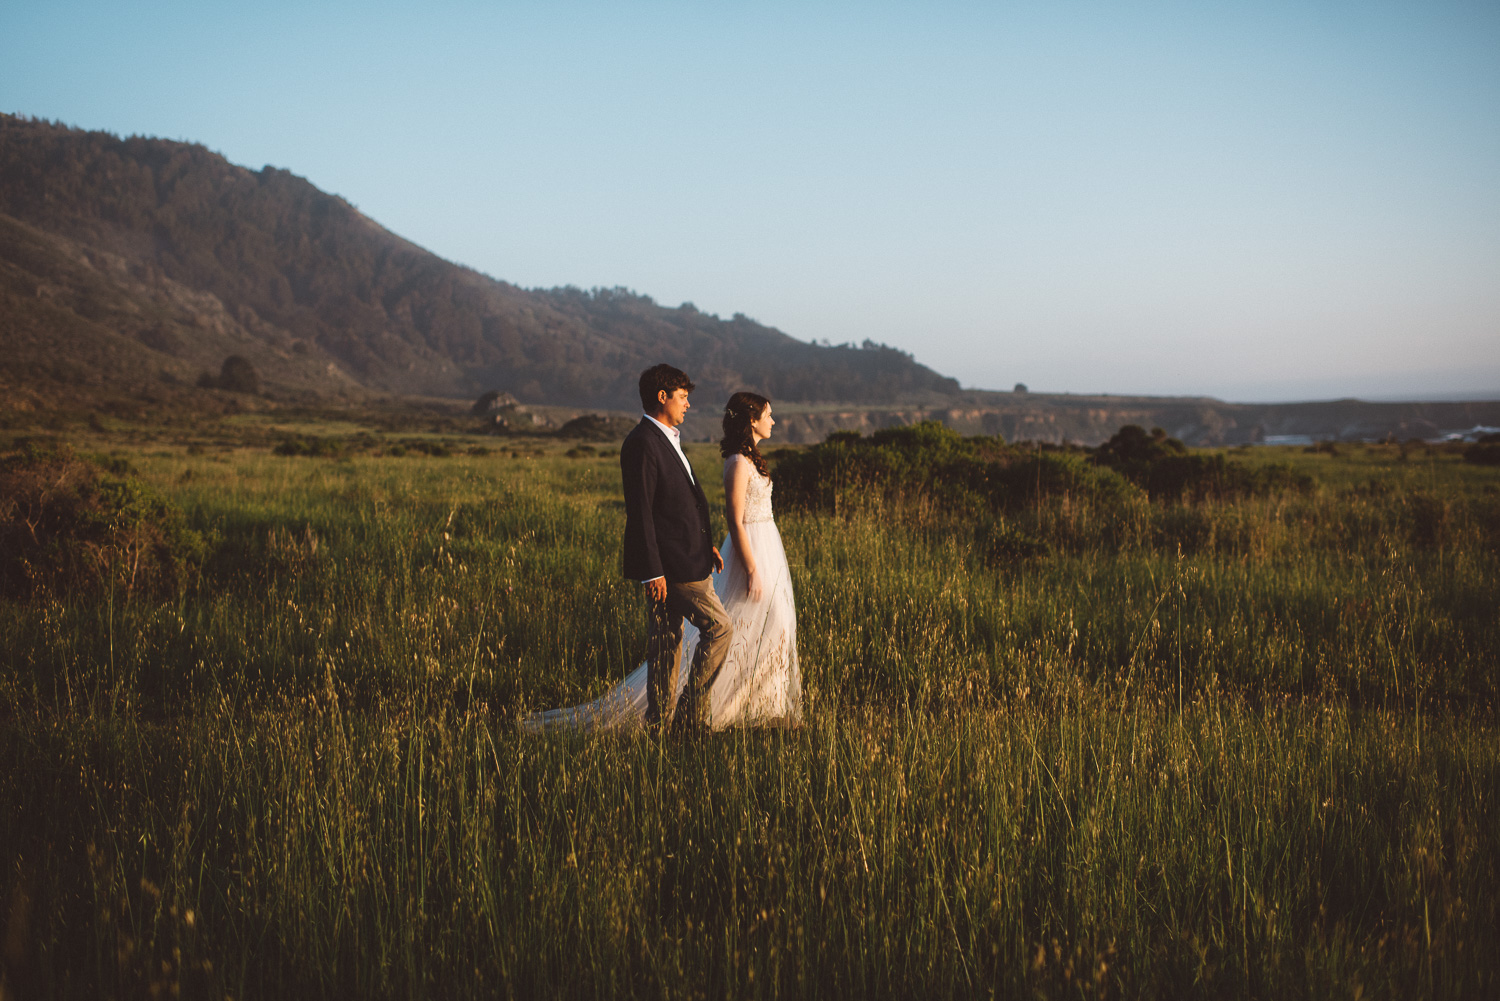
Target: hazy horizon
[1273, 204]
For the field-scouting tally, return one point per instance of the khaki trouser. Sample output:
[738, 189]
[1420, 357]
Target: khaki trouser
[697, 603]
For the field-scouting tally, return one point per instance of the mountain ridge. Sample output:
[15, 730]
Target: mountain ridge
[300, 280]
[130, 268]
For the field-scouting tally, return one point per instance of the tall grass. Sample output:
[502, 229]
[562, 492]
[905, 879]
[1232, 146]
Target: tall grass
[1233, 749]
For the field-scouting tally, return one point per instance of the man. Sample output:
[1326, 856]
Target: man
[668, 549]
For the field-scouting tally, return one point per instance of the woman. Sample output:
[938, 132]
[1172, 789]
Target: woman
[760, 683]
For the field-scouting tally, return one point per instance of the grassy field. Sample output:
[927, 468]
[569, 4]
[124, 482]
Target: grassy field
[1237, 749]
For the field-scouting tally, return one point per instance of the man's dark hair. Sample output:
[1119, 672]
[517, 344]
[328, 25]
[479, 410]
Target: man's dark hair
[662, 377]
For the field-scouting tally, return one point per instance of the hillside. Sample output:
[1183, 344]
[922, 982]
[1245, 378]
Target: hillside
[136, 264]
[129, 268]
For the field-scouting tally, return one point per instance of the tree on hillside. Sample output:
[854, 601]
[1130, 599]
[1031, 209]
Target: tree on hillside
[237, 376]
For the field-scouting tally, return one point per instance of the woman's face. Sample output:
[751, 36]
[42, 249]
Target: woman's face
[762, 425]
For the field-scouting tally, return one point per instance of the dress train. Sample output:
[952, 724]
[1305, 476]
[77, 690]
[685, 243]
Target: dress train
[760, 683]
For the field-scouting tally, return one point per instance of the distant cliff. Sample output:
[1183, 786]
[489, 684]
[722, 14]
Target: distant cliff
[133, 263]
[1090, 420]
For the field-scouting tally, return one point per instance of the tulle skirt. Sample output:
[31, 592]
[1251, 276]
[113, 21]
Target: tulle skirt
[760, 683]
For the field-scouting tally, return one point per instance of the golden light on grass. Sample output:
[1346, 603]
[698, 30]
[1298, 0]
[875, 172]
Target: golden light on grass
[1236, 749]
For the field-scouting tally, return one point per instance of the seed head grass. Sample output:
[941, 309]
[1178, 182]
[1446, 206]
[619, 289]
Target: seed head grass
[1237, 748]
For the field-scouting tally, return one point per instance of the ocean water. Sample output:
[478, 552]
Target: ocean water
[1470, 435]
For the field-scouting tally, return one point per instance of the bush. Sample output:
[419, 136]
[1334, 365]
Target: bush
[928, 462]
[422, 446]
[1166, 470]
[68, 526]
[597, 427]
[310, 445]
[931, 464]
[1486, 453]
[237, 375]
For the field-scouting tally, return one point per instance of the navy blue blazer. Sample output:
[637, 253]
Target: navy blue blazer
[666, 514]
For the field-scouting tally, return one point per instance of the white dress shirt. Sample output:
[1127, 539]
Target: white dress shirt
[675, 437]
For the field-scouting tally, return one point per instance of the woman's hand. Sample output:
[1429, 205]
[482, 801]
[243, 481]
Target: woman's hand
[753, 584]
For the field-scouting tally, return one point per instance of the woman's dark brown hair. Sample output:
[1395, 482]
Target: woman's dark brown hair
[742, 410]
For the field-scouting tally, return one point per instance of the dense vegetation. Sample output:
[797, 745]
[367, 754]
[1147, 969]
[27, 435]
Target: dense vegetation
[1202, 745]
[73, 525]
[148, 255]
[981, 476]
[1167, 470]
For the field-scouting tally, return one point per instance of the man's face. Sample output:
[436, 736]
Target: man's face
[674, 407]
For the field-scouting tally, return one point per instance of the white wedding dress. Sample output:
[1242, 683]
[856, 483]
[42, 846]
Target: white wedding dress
[760, 683]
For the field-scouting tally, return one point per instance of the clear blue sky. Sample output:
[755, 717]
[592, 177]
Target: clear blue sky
[1254, 201]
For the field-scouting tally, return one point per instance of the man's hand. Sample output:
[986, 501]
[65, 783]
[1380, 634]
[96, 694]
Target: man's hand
[718, 561]
[657, 589]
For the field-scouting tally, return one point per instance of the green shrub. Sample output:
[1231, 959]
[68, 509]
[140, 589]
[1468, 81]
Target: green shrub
[930, 463]
[69, 526]
[436, 449]
[597, 427]
[1486, 453]
[310, 445]
[1167, 471]
[237, 375]
[320, 447]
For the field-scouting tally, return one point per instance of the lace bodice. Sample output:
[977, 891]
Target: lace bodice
[758, 498]
[757, 495]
